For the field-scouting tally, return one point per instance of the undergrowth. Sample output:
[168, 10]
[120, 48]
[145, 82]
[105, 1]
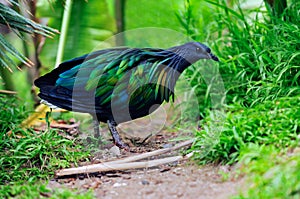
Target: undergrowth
[274, 123]
[40, 190]
[260, 56]
[259, 127]
[272, 173]
[11, 114]
[27, 156]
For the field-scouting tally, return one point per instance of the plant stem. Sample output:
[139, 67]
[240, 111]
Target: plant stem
[120, 19]
[64, 30]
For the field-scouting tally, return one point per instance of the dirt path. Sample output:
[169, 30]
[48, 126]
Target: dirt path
[176, 180]
[180, 181]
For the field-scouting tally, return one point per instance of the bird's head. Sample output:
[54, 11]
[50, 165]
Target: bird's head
[193, 51]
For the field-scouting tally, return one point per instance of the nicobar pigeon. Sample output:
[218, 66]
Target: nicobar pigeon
[119, 84]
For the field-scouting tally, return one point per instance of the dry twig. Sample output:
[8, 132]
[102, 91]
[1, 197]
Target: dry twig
[127, 163]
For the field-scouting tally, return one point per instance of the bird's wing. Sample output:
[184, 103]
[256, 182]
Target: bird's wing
[152, 77]
[111, 81]
[117, 74]
[135, 75]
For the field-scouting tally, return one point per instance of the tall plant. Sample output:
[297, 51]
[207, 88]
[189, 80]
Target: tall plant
[18, 24]
[89, 24]
[259, 58]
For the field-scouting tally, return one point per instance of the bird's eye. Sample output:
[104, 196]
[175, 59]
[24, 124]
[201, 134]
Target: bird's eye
[198, 49]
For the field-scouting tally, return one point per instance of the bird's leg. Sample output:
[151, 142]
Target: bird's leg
[97, 134]
[116, 137]
[96, 128]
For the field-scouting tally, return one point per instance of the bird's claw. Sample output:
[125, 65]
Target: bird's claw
[116, 137]
[121, 145]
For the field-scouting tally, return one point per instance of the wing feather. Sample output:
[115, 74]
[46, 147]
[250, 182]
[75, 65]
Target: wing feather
[113, 74]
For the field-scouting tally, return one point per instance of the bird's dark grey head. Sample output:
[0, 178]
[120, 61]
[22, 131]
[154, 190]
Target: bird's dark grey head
[193, 51]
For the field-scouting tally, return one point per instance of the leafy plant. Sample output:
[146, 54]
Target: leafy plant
[89, 25]
[11, 113]
[28, 156]
[273, 173]
[259, 56]
[40, 190]
[270, 123]
[19, 24]
[259, 67]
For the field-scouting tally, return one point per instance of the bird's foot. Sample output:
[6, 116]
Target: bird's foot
[119, 143]
[116, 137]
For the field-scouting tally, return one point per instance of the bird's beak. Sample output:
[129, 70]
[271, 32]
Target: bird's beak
[214, 57]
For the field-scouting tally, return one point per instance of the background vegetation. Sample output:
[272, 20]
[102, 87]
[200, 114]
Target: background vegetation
[256, 126]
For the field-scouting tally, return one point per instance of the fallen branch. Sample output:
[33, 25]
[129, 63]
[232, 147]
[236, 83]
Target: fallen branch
[153, 153]
[127, 163]
[102, 167]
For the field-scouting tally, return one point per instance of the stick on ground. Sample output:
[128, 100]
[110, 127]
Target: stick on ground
[127, 163]
[153, 153]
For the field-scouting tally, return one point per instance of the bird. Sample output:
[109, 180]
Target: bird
[119, 84]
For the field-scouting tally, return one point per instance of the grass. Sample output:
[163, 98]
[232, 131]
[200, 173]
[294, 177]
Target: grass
[39, 190]
[259, 68]
[270, 123]
[272, 173]
[259, 56]
[10, 113]
[27, 156]
[258, 127]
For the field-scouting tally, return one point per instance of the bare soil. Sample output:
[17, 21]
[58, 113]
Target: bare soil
[181, 181]
[176, 180]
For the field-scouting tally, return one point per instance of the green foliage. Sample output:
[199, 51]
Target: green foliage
[260, 69]
[18, 24]
[259, 56]
[90, 24]
[27, 156]
[11, 114]
[155, 14]
[207, 84]
[270, 123]
[259, 53]
[24, 191]
[35, 155]
[195, 18]
[39, 190]
[273, 174]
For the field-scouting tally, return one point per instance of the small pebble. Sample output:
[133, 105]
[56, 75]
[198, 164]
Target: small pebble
[115, 150]
[145, 182]
[117, 184]
[167, 146]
